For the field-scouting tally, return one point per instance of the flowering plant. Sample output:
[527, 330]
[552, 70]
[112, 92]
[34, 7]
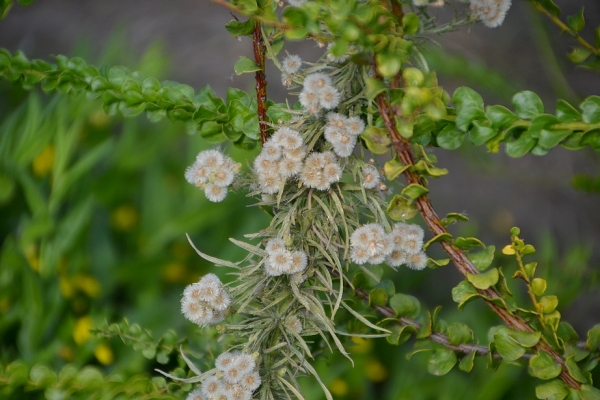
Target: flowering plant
[368, 111]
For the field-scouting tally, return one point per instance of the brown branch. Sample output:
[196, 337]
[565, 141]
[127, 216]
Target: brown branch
[258, 45]
[463, 264]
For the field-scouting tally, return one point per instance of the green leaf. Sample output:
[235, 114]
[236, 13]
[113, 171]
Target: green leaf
[452, 218]
[425, 169]
[591, 110]
[500, 117]
[467, 362]
[525, 339]
[576, 22]
[468, 115]
[553, 390]
[579, 55]
[543, 366]
[388, 286]
[459, 333]
[566, 112]
[506, 346]
[238, 28]
[442, 237]
[401, 209]
[393, 168]
[551, 138]
[588, 392]
[388, 64]
[538, 286]
[484, 280]
[374, 87]
[483, 259]
[464, 293]
[527, 104]
[410, 23]
[451, 138]
[521, 146]
[441, 362]
[479, 133]
[466, 97]
[431, 263]
[244, 65]
[414, 191]
[593, 338]
[376, 139]
[576, 372]
[378, 297]
[592, 138]
[405, 305]
[548, 303]
[468, 243]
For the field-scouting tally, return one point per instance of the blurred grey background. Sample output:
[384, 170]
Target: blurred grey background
[497, 192]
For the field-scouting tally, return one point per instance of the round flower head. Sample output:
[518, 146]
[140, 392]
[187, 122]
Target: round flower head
[271, 151]
[210, 158]
[286, 80]
[196, 174]
[311, 176]
[296, 154]
[245, 363]
[333, 133]
[412, 244]
[361, 237]
[355, 126]
[377, 258]
[329, 97]
[192, 292]
[195, 394]
[222, 176]
[287, 138]
[293, 323]
[221, 302]
[299, 262]
[328, 157]
[196, 312]
[274, 244]
[345, 144]
[417, 261]
[251, 381]
[332, 173]
[224, 361]
[238, 392]
[233, 374]
[262, 164]
[217, 317]
[270, 182]
[289, 167]
[316, 82]
[359, 255]
[415, 230]
[371, 177]
[315, 160]
[396, 258]
[336, 120]
[215, 193]
[211, 386]
[291, 64]
[280, 261]
[308, 99]
[490, 12]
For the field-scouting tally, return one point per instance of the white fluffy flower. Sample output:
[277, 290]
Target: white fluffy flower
[195, 394]
[371, 177]
[215, 193]
[291, 64]
[251, 381]
[417, 261]
[213, 172]
[490, 12]
[329, 97]
[211, 386]
[316, 82]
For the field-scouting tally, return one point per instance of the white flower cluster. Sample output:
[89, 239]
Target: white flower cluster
[318, 92]
[320, 170]
[213, 172]
[490, 12]
[281, 158]
[282, 261]
[403, 245]
[236, 379]
[291, 64]
[342, 131]
[205, 302]
[371, 177]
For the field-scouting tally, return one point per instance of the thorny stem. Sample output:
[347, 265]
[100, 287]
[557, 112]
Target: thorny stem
[258, 45]
[565, 28]
[462, 263]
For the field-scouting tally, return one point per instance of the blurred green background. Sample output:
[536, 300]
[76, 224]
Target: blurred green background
[93, 216]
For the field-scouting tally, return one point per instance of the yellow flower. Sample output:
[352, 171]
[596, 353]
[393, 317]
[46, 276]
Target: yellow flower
[338, 387]
[124, 218]
[81, 333]
[375, 371]
[44, 161]
[104, 354]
